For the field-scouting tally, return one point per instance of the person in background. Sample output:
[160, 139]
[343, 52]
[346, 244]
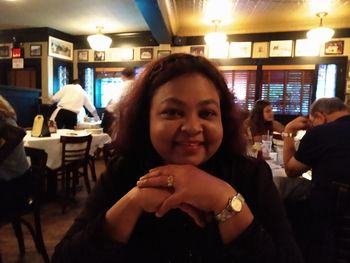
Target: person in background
[112, 114]
[261, 121]
[181, 188]
[325, 148]
[71, 98]
[14, 167]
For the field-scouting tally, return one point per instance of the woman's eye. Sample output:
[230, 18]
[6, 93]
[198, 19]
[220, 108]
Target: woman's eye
[171, 113]
[207, 114]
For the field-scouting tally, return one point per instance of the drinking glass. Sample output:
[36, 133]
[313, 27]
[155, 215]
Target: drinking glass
[266, 145]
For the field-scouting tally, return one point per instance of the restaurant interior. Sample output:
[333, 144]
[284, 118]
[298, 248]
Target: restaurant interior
[289, 52]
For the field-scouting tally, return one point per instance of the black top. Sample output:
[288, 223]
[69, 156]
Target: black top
[326, 149]
[175, 237]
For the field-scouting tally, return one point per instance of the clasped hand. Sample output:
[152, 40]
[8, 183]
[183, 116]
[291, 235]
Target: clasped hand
[190, 189]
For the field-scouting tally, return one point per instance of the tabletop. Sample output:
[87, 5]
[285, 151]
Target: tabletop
[53, 146]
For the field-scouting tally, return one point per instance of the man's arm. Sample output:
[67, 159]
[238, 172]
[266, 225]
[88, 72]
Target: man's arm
[292, 166]
[90, 107]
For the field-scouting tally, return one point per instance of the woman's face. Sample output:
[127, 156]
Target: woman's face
[268, 113]
[185, 120]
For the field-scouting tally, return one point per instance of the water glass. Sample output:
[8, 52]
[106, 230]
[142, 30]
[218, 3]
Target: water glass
[266, 145]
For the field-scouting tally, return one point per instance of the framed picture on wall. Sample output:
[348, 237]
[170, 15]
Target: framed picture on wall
[260, 49]
[83, 55]
[4, 51]
[163, 53]
[240, 49]
[197, 50]
[348, 71]
[146, 53]
[334, 47]
[60, 48]
[35, 50]
[99, 56]
[281, 48]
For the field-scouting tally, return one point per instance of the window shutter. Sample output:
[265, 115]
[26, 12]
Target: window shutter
[242, 84]
[289, 91]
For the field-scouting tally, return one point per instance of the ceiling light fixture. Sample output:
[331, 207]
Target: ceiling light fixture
[99, 42]
[214, 38]
[320, 34]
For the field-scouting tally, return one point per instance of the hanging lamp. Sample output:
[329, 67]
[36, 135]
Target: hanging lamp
[99, 42]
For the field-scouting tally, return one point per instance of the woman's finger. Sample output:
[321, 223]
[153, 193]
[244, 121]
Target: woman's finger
[194, 213]
[156, 181]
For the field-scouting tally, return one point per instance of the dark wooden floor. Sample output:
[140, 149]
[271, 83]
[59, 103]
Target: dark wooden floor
[54, 225]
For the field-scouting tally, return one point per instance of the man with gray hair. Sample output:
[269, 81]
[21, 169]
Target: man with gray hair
[325, 148]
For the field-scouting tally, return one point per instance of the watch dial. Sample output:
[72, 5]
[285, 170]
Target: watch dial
[236, 205]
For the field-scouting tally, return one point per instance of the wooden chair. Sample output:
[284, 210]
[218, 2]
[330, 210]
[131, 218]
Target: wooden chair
[109, 152]
[342, 219]
[31, 204]
[75, 163]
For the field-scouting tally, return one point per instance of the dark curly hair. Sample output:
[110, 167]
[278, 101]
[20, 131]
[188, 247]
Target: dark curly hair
[133, 138]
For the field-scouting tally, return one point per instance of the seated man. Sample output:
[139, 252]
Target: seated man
[325, 148]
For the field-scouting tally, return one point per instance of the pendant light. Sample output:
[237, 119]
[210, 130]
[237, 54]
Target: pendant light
[99, 42]
[320, 34]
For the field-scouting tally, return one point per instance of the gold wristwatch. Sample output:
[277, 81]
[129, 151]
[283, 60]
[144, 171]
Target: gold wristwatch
[233, 207]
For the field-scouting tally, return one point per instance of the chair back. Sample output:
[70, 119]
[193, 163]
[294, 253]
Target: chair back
[37, 158]
[342, 234]
[75, 149]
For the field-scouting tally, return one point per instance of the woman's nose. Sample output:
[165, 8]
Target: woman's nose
[192, 125]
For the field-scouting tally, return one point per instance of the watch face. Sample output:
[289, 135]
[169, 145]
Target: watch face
[236, 205]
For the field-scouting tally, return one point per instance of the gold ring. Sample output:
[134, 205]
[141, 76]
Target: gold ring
[170, 181]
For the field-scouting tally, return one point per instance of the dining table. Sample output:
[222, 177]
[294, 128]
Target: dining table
[53, 146]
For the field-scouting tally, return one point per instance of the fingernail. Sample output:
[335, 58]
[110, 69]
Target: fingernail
[158, 214]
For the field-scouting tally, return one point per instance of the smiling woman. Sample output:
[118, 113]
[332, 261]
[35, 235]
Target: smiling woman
[176, 190]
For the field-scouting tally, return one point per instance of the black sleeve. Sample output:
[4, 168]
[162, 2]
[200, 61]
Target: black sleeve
[86, 241]
[269, 238]
[11, 136]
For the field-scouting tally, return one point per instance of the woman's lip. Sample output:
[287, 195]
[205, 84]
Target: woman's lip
[190, 143]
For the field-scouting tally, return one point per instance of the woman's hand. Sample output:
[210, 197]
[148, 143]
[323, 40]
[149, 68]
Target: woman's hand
[150, 199]
[195, 191]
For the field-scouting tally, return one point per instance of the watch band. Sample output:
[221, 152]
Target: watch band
[287, 135]
[228, 212]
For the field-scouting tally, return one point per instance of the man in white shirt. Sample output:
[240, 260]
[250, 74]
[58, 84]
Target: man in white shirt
[111, 113]
[71, 98]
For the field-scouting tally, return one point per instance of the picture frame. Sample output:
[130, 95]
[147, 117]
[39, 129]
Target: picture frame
[127, 53]
[281, 48]
[240, 49]
[60, 48]
[335, 47]
[146, 53]
[163, 53]
[348, 71]
[35, 50]
[83, 55]
[4, 51]
[260, 50]
[99, 55]
[306, 48]
[197, 50]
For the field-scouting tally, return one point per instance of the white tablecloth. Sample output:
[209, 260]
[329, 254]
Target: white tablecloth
[53, 147]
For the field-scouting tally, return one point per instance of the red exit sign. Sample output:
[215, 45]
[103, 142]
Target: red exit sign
[17, 52]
